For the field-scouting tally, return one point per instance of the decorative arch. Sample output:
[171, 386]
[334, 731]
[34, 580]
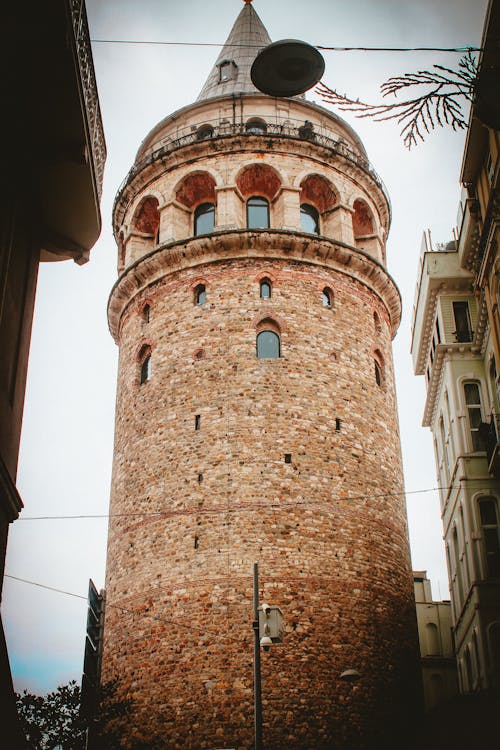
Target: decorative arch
[268, 318]
[146, 218]
[196, 188]
[258, 179]
[318, 192]
[363, 223]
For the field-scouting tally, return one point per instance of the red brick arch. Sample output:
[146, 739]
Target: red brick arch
[147, 216]
[318, 191]
[258, 179]
[362, 219]
[195, 189]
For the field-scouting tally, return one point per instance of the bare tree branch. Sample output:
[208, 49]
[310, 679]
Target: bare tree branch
[440, 105]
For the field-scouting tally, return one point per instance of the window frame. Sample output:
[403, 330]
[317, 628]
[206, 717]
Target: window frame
[198, 214]
[307, 209]
[264, 204]
[474, 437]
[276, 339]
[200, 294]
[265, 282]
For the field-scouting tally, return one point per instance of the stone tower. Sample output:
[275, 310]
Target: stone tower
[256, 422]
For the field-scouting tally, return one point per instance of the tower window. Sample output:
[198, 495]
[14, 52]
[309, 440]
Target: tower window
[288, 458]
[200, 294]
[204, 219]
[257, 213]
[146, 310]
[463, 332]
[265, 289]
[474, 413]
[146, 369]
[227, 70]
[197, 422]
[309, 218]
[268, 345]
[327, 297]
[378, 364]
[204, 132]
[256, 126]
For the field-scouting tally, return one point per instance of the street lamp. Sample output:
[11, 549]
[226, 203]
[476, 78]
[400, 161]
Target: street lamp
[287, 68]
[267, 629]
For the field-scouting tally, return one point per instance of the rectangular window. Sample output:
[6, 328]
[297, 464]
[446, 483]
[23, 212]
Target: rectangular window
[463, 328]
[288, 458]
[197, 422]
[489, 524]
[474, 413]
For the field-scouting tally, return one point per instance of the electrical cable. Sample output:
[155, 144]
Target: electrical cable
[466, 48]
[201, 511]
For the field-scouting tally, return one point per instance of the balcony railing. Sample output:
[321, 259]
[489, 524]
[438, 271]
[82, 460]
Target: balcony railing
[490, 436]
[273, 131]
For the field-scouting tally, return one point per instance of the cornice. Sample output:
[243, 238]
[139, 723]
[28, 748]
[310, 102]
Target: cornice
[265, 244]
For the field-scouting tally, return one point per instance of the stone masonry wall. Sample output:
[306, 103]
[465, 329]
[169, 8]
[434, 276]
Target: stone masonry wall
[193, 509]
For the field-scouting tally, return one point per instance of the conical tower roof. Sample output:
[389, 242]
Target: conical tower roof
[231, 72]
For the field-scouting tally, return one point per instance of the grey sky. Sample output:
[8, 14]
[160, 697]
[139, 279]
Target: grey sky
[67, 441]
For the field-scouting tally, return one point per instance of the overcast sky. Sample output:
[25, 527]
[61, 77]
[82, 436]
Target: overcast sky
[67, 443]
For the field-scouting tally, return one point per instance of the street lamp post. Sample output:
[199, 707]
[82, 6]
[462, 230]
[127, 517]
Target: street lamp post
[257, 689]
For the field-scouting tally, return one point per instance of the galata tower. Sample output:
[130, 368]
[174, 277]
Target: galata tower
[256, 422]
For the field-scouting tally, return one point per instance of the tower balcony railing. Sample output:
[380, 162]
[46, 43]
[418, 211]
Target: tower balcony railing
[490, 435]
[273, 131]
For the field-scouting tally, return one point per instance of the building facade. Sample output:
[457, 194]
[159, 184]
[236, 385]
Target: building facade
[256, 422]
[455, 346]
[52, 178]
[437, 654]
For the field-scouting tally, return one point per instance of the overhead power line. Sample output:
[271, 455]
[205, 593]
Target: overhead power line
[125, 610]
[225, 509]
[152, 42]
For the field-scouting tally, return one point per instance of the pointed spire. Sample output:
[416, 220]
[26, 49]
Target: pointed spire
[231, 72]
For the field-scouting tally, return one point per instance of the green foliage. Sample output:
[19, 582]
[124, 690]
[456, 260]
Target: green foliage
[55, 721]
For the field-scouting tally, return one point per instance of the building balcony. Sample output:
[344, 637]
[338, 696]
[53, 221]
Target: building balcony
[490, 435]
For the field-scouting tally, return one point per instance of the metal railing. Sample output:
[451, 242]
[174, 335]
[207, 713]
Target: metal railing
[272, 131]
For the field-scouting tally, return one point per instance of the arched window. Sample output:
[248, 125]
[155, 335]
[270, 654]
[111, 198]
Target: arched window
[257, 213]
[474, 412]
[378, 373]
[309, 218]
[204, 219]
[268, 345]
[488, 512]
[256, 126]
[265, 289]
[327, 297]
[204, 132]
[146, 312]
[145, 364]
[376, 322]
[200, 294]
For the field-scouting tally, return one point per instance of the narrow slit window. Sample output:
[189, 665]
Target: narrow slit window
[200, 294]
[146, 312]
[197, 422]
[288, 458]
[378, 373]
[146, 369]
[327, 297]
